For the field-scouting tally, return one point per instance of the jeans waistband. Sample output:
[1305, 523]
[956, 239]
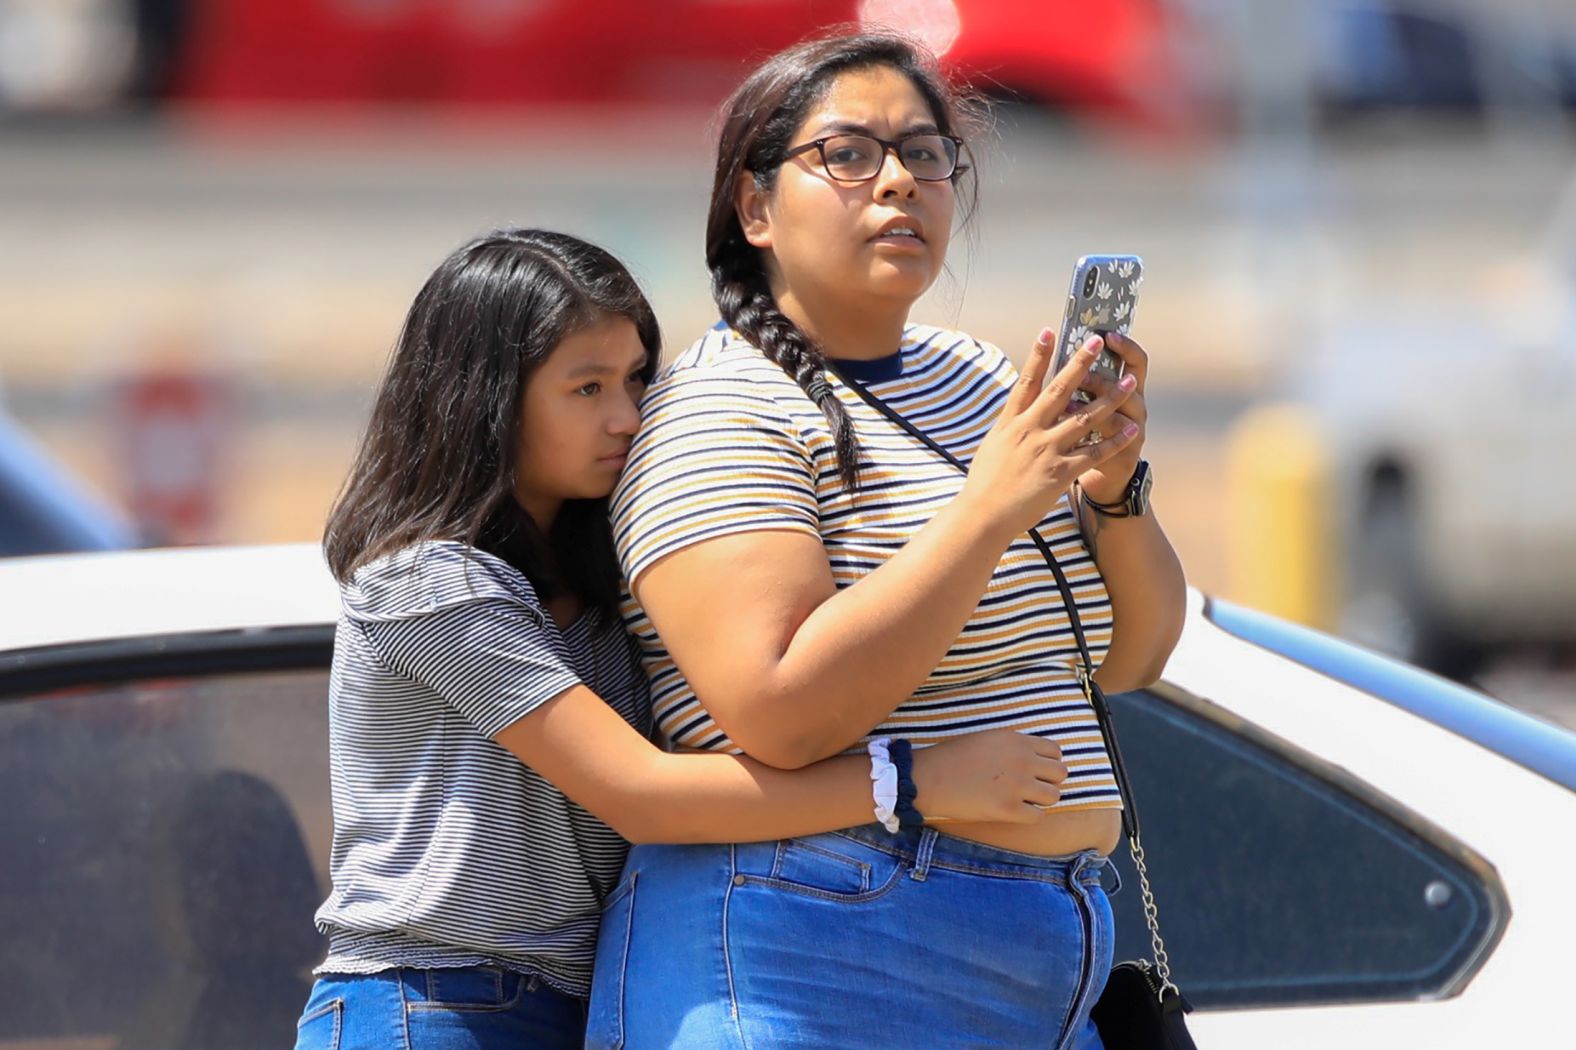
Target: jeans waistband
[925, 846]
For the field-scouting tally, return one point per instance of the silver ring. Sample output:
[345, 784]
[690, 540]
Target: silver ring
[1094, 437]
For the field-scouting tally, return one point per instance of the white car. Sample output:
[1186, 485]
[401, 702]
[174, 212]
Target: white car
[1449, 433]
[1346, 852]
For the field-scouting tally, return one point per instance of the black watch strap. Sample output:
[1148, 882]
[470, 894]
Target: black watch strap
[1117, 509]
[1135, 497]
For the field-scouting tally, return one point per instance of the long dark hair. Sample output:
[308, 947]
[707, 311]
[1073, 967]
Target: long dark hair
[758, 123]
[439, 456]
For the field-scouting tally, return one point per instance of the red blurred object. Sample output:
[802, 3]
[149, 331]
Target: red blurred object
[1114, 58]
[172, 425]
[1109, 56]
[485, 51]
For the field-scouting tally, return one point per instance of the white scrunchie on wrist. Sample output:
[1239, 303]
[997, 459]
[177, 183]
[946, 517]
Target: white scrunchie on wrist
[883, 776]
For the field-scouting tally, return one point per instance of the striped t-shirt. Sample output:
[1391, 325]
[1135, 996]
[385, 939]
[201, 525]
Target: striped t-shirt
[730, 444]
[448, 851]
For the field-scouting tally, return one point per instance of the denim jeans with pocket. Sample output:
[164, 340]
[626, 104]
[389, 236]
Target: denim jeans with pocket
[852, 939]
[470, 1008]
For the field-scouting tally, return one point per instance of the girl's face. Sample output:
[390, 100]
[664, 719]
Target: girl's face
[580, 411]
[831, 241]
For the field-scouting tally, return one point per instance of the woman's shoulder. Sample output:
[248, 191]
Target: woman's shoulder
[430, 576]
[722, 365]
[720, 355]
[936, 347]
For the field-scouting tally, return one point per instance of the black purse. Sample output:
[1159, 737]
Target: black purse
[1141, 1008]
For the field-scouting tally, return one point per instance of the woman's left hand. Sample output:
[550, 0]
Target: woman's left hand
[1107, 483]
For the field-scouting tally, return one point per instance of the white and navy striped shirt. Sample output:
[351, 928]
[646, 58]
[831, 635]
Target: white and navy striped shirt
[730, 444]
[448, 851]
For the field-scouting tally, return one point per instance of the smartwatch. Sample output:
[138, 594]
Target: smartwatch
[1135, 500]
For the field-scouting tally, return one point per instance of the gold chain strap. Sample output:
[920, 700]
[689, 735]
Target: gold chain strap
[1151, 910]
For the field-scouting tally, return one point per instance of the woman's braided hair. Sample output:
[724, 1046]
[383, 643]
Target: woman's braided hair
[758, 123]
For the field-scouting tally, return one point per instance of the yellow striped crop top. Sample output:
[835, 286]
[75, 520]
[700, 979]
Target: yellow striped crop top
[730, 444]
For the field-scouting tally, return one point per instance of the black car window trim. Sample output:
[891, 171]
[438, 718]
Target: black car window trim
[180, 655]
[1542, 747]
[1340, 780]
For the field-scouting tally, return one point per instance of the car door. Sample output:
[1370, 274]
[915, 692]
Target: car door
[166, 827]
[168, 830]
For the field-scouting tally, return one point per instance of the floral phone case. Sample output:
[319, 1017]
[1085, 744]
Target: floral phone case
[1101, 298]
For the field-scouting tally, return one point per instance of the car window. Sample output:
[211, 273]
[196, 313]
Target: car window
[166, 843]
[1283, 881]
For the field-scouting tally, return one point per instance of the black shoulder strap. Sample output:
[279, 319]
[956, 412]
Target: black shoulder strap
[1085, 672]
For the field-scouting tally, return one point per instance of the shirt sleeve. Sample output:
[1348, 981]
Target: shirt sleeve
[990, 359]
[489, 659]
[716, 455]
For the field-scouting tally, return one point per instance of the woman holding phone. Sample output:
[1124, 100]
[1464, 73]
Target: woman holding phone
[808, 580]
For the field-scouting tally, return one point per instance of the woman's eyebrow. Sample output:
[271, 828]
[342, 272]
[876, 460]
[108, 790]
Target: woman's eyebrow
[591, 369]
[849, 127]
[594, 368]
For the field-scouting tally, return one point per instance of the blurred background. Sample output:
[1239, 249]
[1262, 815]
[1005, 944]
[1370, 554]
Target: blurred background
[1358, 221]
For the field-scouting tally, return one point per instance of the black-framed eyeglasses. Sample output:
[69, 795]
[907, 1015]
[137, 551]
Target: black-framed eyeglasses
[928, 156]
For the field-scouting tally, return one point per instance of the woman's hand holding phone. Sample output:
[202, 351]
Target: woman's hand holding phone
[1106, 481]
[1038, 447]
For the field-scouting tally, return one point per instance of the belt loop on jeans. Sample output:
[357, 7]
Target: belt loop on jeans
[927, 846]
[1086, 860]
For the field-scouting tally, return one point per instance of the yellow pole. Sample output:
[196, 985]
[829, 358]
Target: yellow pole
[1282, 552]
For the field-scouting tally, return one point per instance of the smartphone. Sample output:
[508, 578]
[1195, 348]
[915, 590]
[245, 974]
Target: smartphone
[1101, 298]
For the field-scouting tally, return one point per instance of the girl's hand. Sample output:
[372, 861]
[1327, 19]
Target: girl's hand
[1031, 456]
[999, 775]
[1107, 481]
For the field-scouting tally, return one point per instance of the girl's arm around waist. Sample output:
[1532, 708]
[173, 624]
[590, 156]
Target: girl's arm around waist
[591, 754]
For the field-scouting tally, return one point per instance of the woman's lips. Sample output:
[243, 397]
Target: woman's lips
[899, 242]
[901, 233]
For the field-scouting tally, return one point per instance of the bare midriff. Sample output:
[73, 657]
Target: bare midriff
[1059, 832]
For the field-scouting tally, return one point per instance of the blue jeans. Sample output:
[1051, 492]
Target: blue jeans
[852, 939]
[471, 1008]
